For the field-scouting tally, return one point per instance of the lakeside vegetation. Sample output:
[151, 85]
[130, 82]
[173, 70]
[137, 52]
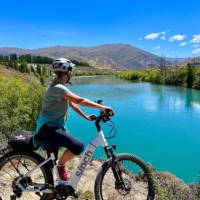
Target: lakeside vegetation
[187, 76]
[37, 66]
[19, 103]
[90, 71]
[170, 187]
[40, 66]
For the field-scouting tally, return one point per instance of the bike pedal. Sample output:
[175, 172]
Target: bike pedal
[76, 195]
[13, 197]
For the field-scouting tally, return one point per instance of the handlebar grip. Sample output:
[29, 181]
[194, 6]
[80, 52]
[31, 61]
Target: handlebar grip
[93, 117]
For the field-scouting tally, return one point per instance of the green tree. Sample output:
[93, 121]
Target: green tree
[190, 76]
[25, 58]
[24, 67]
[1, 59]
[28, 58]
[38, 59]
[48, 60]
[39, 70]
[15, 65]
[5, 60]
[13, 57]
[80, 63]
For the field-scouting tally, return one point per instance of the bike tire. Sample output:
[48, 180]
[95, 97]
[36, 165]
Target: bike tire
[31, 157]
[121, 158]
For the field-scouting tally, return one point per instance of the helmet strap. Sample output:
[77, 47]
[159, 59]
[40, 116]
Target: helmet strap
[69, 77]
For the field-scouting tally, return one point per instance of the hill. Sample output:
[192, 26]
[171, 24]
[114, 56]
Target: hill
[196, 61]
[113, 56]
[184, 61]
[179, 61]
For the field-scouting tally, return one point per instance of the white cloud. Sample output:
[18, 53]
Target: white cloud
[177, 37]
[196, 51]
[163, 37]
[152, 36]
[183, 44]
[196, 39]
[156, 48]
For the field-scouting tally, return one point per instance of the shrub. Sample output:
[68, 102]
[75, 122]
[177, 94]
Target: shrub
[170, 187]
[19, 104]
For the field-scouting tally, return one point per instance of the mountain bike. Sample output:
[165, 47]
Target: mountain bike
[24, 174]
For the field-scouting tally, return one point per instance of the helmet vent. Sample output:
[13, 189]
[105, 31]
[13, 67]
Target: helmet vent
[62, 65]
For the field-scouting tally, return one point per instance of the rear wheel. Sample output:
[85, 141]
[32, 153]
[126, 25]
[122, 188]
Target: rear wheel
[132, 180]
[15, 165]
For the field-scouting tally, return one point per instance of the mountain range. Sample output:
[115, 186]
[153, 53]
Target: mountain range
[113, 56]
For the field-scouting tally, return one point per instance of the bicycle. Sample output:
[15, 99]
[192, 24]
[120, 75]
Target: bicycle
[32, 175]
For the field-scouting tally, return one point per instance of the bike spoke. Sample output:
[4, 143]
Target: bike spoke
[131, 176]
[9, 174]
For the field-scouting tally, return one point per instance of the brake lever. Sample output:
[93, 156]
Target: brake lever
[100, 101]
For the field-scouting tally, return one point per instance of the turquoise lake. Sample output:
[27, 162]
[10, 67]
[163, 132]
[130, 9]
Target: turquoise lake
[160, 124]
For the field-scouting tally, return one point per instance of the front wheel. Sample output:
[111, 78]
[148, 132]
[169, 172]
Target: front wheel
[126, 178]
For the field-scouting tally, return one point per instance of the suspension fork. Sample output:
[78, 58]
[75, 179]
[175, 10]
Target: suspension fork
[115, 169]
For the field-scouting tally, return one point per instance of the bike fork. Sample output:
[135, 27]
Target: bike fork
[119, 182]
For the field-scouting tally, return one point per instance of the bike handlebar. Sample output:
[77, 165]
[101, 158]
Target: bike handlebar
[104, 115]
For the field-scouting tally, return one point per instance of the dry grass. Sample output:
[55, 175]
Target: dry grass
[169, 187]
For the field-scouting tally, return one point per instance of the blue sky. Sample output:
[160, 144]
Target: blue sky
[168, 28]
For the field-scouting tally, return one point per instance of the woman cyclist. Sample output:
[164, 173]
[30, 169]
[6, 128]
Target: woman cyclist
[51, 123]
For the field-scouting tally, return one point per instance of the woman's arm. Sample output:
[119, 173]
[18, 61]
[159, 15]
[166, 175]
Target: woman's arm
[71, 97]
[76, 108]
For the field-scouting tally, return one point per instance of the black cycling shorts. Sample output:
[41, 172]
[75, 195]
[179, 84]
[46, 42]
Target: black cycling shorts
[55, 137]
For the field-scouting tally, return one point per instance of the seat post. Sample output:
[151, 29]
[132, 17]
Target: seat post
[53, 153]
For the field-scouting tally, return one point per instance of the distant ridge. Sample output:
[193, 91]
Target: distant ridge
[113, 56]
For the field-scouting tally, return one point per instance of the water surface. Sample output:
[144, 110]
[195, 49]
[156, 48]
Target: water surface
[160, 124]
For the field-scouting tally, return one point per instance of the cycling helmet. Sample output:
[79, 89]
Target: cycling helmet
[62, 65]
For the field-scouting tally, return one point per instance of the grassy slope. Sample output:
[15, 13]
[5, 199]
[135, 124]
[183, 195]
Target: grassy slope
[9, 72]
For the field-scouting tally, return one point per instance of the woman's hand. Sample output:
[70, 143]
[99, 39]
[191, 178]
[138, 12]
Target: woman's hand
[108, 110]
[91, 117]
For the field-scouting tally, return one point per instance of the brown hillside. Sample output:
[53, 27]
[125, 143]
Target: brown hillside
[115, 56]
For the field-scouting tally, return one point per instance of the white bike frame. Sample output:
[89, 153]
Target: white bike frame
[98, 140]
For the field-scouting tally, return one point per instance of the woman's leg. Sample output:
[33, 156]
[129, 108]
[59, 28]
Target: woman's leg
[67, 155]
[74, 147]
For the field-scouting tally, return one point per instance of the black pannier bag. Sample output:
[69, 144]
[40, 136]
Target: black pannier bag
[21, 140]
